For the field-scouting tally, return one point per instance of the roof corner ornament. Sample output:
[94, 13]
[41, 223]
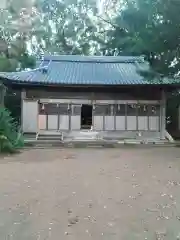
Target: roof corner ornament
[44, 70]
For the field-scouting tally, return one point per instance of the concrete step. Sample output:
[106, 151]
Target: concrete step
[81, 144]
[75, 144]
[29, 135]
[42, 143]
[132, 141]
[49, 137]
[81, 134]
[83, 138]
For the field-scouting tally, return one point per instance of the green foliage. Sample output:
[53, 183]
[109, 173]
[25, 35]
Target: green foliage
[149, 28]
[70, 27]
[15, 31]
[12, 101]
[10, 137]
[17, 59]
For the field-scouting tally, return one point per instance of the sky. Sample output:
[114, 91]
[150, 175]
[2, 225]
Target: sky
[100, 3]
[3, 4]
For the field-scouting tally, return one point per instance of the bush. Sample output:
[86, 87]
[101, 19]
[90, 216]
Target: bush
[11, 138]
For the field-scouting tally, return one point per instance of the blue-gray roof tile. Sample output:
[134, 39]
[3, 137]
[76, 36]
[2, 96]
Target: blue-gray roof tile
[84, 70]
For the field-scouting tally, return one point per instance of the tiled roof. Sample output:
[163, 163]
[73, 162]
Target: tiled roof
[93, 59]
[84, 70]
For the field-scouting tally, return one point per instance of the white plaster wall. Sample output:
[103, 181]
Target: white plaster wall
[98, 123]
[30, 116]
[109, 123]
[63, 122]
[120, 123]
[142, 123]
[52, 122]
[75, 122]
[131, 122]
[42, 122]
[154, 123]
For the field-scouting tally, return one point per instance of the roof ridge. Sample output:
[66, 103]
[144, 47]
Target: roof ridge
[93, 59]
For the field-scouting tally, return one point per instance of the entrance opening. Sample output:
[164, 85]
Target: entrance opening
[86, 116]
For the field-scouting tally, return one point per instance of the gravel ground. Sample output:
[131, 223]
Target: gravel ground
[79, 194]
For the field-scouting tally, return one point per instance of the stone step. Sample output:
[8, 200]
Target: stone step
[42, 141]
[81, 144]
[49, 137]
[132, 141]
[82, 134]
[84, 138]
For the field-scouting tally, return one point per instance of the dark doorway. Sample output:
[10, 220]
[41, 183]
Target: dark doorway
[86, 116]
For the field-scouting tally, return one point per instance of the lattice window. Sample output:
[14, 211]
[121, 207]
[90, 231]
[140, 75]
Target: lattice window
[52, 109]
[109, 110]
[132, 109]
[120, 109]
[76, 110]
[154, 110]
[42, 108]
[142, 110]
[99, 110]
[104, 110]
[64, 109]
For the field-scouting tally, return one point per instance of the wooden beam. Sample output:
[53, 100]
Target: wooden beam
[163, 114]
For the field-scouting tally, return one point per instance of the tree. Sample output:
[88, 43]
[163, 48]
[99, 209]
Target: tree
[16, 22]
[15, 28]
[149, 28]
[70, 27]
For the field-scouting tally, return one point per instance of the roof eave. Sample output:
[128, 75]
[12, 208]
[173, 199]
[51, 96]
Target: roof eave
[38, 84]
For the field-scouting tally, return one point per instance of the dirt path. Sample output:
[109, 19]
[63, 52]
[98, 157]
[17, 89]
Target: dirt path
[79, 194]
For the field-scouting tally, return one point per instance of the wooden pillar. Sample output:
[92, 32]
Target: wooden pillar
[137, 113]
[93, 102]
[126, 125]
[23, 96]
[93, 109]
[114, 114]
[58, 117]
[163, 114]
[104, 119]
[70, 115]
